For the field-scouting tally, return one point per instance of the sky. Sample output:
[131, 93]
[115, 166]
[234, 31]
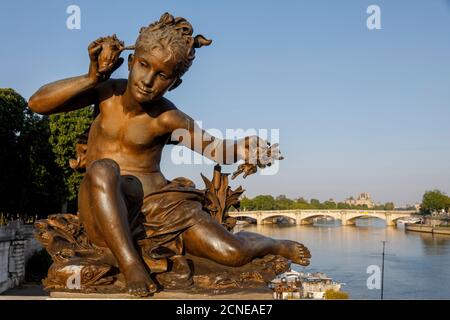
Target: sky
[357, 110]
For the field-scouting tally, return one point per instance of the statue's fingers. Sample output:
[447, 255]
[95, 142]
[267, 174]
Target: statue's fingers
[276, 155]
[265, 160]
[237, 172]
[247, 173]
[252, 158]
[274, 149]
[263, 150]
[94, 48]
[94, 51]
[263, 154]
[117, 64]
[96, 41]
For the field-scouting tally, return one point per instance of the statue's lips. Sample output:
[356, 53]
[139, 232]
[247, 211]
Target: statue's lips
[143, 91]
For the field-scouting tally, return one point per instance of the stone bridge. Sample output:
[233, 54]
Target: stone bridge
[347, 217]
[17, 245]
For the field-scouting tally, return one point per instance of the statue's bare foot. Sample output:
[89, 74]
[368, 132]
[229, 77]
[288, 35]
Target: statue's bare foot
[294, 251]
[138, 282]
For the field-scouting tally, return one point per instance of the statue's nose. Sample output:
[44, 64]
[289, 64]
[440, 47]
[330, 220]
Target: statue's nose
[148, 79]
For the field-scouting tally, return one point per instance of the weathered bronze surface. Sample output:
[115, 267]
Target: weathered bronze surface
[135, 231]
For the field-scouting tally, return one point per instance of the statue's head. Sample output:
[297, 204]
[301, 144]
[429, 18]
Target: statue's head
[164, 51]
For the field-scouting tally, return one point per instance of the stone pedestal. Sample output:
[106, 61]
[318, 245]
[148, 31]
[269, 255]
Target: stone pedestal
[262, 294]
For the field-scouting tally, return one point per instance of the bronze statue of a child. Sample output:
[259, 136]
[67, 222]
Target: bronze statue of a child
[123, 156]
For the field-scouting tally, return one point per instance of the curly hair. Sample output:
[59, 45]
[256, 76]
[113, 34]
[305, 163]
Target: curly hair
[175, 35]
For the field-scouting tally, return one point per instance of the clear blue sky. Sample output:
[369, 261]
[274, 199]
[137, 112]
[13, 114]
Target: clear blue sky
[358, 110]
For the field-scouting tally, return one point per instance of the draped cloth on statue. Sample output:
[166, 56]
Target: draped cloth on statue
[166, 213]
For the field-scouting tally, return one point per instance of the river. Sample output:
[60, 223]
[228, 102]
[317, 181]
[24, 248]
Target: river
[417, 265]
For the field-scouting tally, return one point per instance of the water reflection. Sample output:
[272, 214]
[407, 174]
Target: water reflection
[416, 264]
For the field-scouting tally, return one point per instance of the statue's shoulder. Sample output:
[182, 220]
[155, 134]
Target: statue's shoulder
[167, 108]
[112, 87]
[171, 115]
[119, 85]
[167, 105]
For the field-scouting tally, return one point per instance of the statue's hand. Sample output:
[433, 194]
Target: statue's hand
[257, 153]
[104, 54]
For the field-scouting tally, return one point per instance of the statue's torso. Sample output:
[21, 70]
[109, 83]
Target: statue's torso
[135, 142]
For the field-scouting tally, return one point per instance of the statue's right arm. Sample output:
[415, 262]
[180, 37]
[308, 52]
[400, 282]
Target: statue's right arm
[78, 92]
[65, 95]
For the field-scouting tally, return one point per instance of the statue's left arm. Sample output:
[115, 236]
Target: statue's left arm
[186, 131]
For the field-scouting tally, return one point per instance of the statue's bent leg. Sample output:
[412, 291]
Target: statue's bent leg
[208, 239]
[104, 215]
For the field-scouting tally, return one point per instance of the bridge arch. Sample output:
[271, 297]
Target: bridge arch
[307, 218]
[279, 215]
[396, 217]
[243, 215]
[350, 218]
[237, 215]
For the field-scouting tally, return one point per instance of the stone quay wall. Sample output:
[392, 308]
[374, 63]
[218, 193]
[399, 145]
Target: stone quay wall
[17, 245]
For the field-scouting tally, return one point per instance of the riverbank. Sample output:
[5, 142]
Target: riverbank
[427, 228]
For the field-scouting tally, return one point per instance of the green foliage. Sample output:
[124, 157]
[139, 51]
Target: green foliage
[389, 206]
[66, 128]
[263, 202]
[29, 178]
[335, 295]
[343, 205]
[302, 204]
[329, 205]
[281, 202]
[433, 201]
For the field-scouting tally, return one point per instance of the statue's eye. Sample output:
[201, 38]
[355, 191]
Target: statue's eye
[163, 76]
[142, 63]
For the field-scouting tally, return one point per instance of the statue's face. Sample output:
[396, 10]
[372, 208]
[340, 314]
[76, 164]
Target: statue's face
[152, 73]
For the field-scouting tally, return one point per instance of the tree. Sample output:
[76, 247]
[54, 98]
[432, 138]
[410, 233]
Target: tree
[12, 108]
[283, 203]
[30, 180]
[329, 205]
[301, 204]
[343, 205]
[389, 206]
[433, 201]
[66, 129]
[246, 204]
[264, 202]
[315, 204]
[44, 183]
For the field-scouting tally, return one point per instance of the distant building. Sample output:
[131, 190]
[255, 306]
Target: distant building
[363, 199]
[301, 285]
[417, 206]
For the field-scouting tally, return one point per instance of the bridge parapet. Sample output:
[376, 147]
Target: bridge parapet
[305, 216]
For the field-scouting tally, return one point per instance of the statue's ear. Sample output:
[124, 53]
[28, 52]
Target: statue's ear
[176, 84]
[130, 60]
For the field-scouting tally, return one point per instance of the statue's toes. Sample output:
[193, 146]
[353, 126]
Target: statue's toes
[152, 288]
[304, 262]
[303, 255]
[138, 289]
